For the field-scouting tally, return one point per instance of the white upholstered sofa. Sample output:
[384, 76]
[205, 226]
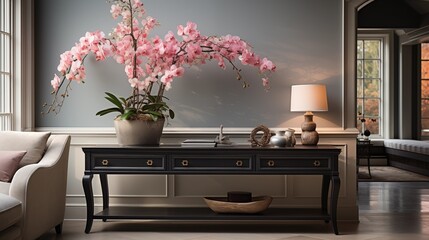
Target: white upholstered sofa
[33, 201]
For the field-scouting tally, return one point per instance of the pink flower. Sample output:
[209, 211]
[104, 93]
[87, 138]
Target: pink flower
[177, 71]
[168, 76]
[80, 74]
[249, 58]
[167, 79]
[135, 83]
[56, 82]
[65, 62]
[169, 37]
[265, 82]
[115, 10]
[144, 49]
[75, 65]
[190, 29]
[129, 70]
[180, 30]
[267, 65]
[138, 7]
[221, 62]
[193, 51]
[149, 23]
[103, 51]
[126, 15]
[158, 45]
[189, 32]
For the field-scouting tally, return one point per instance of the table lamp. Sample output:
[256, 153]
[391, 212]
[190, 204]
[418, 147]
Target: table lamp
[308, 98]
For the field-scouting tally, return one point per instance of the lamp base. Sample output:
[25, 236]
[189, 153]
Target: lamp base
[309, 138]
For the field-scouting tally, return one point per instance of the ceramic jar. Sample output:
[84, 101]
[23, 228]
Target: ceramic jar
[290, 137]
[279, 139]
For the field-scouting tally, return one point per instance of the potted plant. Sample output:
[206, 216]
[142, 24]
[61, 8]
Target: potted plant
[151, 65]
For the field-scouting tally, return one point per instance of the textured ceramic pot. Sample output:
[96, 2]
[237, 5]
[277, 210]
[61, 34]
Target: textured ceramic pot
[139, 132]
[310, 138]
[279, 139]
[290, 137]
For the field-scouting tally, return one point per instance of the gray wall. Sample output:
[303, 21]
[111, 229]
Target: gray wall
[303, 37]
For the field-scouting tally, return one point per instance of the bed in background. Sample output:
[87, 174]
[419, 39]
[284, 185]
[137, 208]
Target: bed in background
[411, 155]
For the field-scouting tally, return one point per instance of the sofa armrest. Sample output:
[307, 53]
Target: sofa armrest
[41, 188]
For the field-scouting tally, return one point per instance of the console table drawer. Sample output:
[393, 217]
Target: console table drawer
[212, 163]
[129, 162]
[267, 163]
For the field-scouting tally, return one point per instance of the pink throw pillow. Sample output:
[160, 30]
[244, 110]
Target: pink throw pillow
[9, 162]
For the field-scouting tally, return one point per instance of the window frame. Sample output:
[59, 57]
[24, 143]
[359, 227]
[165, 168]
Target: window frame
[7, 75]
[386, 111]
[22, 66]
[422, 133]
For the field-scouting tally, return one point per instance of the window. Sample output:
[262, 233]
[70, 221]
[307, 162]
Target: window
[5, 65]
[424, 90]
[369, 95]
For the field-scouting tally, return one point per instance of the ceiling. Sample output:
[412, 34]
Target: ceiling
[409, 18]
[420, 6]
[394, 14]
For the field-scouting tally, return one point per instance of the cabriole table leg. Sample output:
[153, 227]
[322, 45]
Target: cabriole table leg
[89, 197]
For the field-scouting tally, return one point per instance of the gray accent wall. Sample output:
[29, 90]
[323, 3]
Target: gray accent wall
[303, 38]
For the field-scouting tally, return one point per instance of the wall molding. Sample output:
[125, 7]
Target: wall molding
[177, 132]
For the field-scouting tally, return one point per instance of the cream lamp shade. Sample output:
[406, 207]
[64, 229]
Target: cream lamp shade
[308, 98]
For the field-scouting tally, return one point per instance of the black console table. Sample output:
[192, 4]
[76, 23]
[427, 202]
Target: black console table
[169, 159]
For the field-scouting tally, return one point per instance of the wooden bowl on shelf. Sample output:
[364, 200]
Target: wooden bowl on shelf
[221, 205]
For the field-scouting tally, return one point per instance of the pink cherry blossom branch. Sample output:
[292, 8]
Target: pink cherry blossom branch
[153, 60]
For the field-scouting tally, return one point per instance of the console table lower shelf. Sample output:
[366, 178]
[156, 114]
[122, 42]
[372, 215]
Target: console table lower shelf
[201, 213]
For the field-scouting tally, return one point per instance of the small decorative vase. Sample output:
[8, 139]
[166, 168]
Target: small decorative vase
[139, 132]
[366, 134]
[290, 137]
[279, 139]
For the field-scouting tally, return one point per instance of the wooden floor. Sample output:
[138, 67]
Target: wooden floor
[388, 210]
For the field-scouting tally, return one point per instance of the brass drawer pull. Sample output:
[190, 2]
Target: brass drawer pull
[316, 163]
[185, 163]
[271, 163]
[239, 163]
[105, 162]
[149, 162]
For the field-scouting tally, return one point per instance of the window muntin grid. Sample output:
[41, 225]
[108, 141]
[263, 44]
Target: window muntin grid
[369, 97]
[424, 89]
[5, 65]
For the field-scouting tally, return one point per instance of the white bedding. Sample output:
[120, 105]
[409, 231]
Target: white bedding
[408, 145]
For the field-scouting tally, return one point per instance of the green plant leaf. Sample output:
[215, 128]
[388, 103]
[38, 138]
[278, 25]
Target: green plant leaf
[151, 98]
[154, 118]
[153, 113]
[124, 102]
[113, 99]
[171, 113]
[128, 113]
[108, 110]
[153, 106]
